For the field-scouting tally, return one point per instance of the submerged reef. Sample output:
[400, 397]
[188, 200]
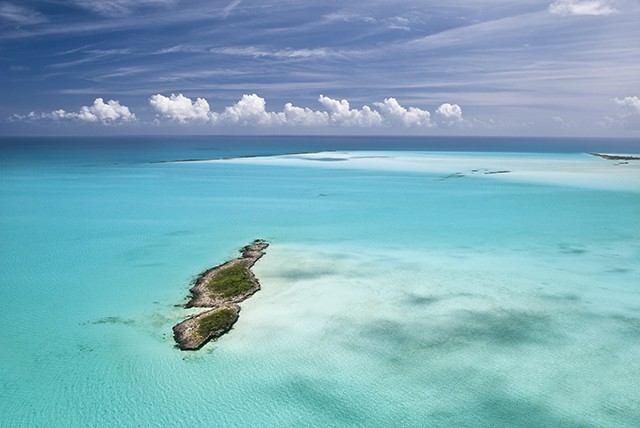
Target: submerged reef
[220, 289]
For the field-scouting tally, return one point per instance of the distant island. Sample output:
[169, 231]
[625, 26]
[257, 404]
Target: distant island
[220, 288]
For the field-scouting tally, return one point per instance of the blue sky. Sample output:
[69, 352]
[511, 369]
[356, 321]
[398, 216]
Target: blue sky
[492, 67]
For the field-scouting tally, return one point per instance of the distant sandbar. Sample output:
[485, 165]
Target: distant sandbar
[616, 157]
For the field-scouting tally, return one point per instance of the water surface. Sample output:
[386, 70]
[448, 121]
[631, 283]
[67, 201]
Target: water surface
[392, 296]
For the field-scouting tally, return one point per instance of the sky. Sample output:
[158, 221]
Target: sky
[402, 67]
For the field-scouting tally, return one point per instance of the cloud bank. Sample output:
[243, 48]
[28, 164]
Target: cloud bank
[251, 110]
[111, 112]
[582, 7]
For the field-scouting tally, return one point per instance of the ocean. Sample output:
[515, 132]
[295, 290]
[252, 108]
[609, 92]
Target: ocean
[413, 282]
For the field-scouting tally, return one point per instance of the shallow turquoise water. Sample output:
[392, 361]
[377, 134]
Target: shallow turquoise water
[390, 298]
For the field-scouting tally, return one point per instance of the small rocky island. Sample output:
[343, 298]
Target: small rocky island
[220, 289]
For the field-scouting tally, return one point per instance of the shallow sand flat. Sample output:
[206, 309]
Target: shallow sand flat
[576, 170]
[450, 328]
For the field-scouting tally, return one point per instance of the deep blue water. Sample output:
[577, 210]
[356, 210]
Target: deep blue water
[169, 148]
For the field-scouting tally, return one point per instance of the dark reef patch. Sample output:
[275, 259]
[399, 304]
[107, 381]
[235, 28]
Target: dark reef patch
[619, 270]
[505, 327]
[454, 175]
[392, 339]
[114, 320]
[418, 300]
[571, 249]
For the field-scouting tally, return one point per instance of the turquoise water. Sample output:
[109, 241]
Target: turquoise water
[390, 297]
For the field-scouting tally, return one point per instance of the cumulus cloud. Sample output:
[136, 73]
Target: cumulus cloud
[633, 103]
[298, 116]
[111, 112]
[181, 109]
[449, 114]
[395, 114]
[341, 113]
[630, 115]
[251, 110]
[582, 7]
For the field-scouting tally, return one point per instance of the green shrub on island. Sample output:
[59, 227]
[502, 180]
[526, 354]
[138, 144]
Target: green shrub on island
[221, 319]
[231, 281]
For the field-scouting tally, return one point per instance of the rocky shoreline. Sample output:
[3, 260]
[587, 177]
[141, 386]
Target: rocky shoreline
[219, 289]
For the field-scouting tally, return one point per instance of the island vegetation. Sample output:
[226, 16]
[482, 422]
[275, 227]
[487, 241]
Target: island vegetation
[232, 281]
[220, 289]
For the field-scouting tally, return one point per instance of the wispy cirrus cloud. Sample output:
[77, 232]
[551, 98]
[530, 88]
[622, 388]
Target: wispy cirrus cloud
[388, 22]
[229, 8]
[180, 49]
[110, 15]
[252, 51]
[513, 62]
[115, 8]
[92, 55]
[20, 15]
[582, 7]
